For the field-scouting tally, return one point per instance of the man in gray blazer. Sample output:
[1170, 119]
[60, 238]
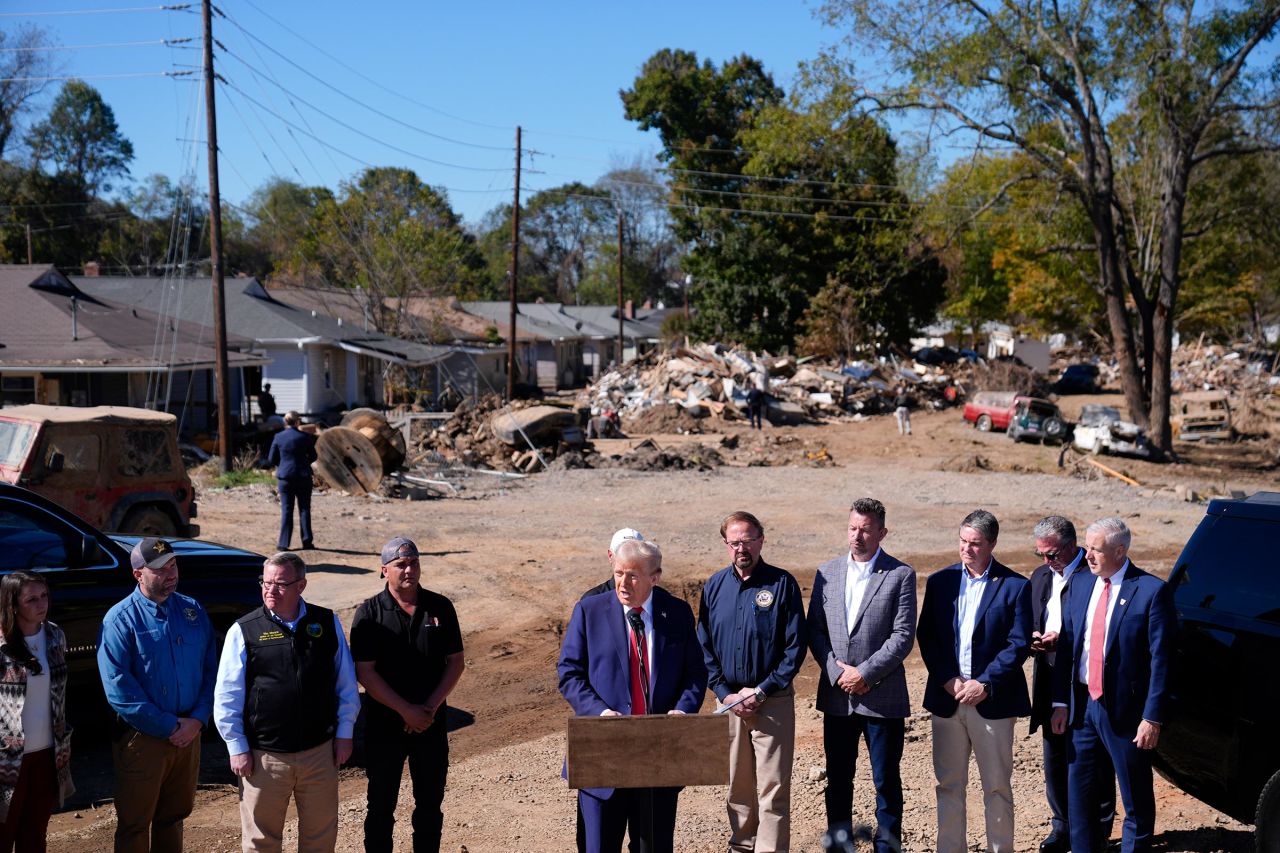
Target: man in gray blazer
[862, 624]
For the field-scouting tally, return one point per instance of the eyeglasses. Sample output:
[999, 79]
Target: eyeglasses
[278, 586]
[1048, 555]
[742, 544]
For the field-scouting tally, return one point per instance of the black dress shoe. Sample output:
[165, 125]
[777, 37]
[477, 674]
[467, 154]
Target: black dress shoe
[1056, 843]
[308, 546]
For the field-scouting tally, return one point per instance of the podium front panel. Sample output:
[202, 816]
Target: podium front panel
[655, 751]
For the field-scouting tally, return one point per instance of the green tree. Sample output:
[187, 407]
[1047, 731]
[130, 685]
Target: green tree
[24, 60]
[1046, 79]
[80, 139]
[283, 225]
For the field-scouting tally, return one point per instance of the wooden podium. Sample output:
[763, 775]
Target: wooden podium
[655, 751]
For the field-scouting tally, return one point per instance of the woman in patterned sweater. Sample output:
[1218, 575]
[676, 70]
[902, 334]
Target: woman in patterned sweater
[35, 742]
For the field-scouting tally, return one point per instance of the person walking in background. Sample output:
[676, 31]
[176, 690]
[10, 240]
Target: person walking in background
[407, 647]
[902, 410]
[752, 629]
[158, 658]
[286, 703]
[974, 635]
[35, 741]
[292, 452]
[862, 625]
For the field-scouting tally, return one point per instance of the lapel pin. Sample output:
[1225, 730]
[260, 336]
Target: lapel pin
[1123, 602]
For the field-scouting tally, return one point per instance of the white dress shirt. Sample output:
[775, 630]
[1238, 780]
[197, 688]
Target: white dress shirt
[1053, 609]
[229, 689]
[1082, 671]
[856, 579]
[971, 591]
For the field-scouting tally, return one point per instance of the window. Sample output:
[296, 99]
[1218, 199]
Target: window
[25, 544]
[1232, 570]
[145, 452]
[14, 438]
[79, 452]
[18, 390]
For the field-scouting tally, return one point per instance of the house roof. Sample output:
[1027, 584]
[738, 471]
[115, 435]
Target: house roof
[256, 315]
[51, 325]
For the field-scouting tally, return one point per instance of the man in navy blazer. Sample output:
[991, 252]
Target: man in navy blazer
[601, 674]
[292, 452]
[1110, 686]
[862, 625]
[974, 634]
[1063, 564]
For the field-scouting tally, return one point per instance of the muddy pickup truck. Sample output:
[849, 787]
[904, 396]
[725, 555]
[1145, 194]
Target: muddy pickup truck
[1203, 416]
[116, 467]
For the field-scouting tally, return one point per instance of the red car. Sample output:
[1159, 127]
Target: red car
[988, 410]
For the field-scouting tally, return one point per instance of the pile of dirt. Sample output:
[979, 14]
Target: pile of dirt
[649, 457]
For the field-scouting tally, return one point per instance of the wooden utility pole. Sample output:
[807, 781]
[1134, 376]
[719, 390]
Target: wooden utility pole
[215, 249]
[29, 261]
[515, 266]
[620, 303]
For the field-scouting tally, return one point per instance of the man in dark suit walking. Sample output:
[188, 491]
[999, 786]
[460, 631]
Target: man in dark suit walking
[1063, 563]
[1110, 686]
[862, 624]
[975, 633]
[655, 633]
[292, 452]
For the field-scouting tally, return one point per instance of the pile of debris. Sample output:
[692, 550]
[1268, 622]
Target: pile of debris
[690, 389]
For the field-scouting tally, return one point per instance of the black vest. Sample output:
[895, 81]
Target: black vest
[291, 703]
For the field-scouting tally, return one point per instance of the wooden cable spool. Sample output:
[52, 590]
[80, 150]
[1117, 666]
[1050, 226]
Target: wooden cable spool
[389, 442]
[348, 461]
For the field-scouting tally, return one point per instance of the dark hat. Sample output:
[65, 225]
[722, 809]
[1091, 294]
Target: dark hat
[398, 548]
[152, 553]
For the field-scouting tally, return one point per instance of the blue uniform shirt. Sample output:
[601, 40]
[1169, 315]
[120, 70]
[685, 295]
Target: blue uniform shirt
[158, 662]
[752, 632]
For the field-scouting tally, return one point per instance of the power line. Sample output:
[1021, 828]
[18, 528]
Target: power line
[47, 14]
[96, 76]
[169, 42]
[353, 98]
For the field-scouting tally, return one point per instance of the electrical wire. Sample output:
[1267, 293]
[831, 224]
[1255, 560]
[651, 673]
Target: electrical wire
[91, 46]
[183, 7]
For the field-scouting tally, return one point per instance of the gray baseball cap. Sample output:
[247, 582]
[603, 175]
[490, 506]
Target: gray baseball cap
[398, 549]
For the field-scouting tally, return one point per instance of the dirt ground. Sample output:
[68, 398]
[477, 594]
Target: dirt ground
[514, 555]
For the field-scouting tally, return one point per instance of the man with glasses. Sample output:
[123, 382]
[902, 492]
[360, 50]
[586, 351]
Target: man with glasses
[752, 629]
[1062, 563]
[286, 703]
[407, 647]
[157, 657]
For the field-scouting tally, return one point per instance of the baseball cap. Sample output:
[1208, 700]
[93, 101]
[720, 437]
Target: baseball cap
[398, 548]
[152, 553]
[623, 535]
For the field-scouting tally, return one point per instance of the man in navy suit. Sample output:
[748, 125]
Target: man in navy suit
[862, 625]
[292, 452]
[974, 634]
[1063, 564]
[604, 671]
[1110, 686]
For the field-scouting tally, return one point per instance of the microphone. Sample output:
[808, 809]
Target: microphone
[637, 630]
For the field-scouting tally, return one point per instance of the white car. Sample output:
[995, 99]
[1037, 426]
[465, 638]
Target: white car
[1101, 430]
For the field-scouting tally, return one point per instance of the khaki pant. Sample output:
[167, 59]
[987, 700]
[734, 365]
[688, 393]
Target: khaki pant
[155, 790]
[761, 751]
[311, 778]
[991, 743]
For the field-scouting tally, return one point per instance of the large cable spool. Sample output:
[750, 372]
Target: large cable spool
[388, 441]
[348, 461]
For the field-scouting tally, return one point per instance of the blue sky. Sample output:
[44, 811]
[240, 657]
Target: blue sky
[475, 71]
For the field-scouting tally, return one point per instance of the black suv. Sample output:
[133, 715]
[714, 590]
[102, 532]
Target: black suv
[1222, 744]
[88, 571]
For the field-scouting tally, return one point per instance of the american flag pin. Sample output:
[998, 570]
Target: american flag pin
[1123, 602]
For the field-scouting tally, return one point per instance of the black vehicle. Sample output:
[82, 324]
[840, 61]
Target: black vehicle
[1222, 744]
[88, 571]
[1078, 379]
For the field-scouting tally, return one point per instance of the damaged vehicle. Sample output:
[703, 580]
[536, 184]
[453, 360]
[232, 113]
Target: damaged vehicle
[1035, 419]
[1203, 416]
[1102, 430]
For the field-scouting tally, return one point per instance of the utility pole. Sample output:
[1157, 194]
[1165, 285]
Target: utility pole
[215, 250]
[620, 315]
[29, 261]
[515, 266]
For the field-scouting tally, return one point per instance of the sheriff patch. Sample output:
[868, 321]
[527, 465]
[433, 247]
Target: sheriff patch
[273, 634]
[315, 629]
[764, 599]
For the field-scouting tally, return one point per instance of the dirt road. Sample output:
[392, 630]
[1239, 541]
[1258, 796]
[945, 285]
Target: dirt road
[515, 555]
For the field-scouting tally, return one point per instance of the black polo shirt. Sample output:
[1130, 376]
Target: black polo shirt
[408, 653]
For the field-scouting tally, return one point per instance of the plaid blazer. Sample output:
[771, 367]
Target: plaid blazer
[876, 643]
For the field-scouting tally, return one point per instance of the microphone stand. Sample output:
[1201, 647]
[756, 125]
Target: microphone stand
[637, 632]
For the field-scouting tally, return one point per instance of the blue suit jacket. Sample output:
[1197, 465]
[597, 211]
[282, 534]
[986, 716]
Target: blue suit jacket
[1140, 639]
[292, 452]
[1001, 641]
[595, 667]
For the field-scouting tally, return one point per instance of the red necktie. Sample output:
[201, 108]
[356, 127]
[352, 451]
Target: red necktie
[1098, 640]
[637, 686]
